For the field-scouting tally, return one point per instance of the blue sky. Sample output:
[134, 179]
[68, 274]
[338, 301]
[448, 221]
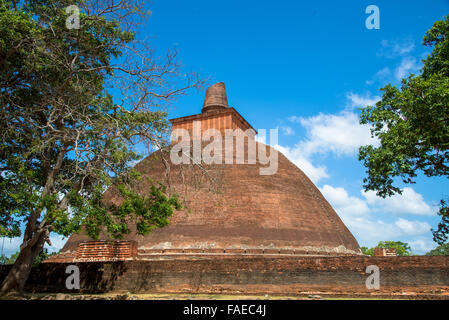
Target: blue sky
[304, 67]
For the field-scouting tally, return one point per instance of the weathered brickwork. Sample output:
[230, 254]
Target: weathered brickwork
[99, 251]
[384, 252]
[249, 275]
[252, 234]
[233, 207]
[220, 120]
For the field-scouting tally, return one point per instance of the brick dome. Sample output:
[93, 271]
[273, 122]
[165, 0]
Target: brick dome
[231, 207]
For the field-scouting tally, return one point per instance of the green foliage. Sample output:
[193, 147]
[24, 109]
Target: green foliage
[402, 248]
[44, 255]
[65, 138]
[442, 250]
[146, 212]
[441, 234]
[3, 259]
[9, 260]
[412, 126]
[368, 251]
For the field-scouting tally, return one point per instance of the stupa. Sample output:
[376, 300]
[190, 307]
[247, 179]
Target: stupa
[232, 209]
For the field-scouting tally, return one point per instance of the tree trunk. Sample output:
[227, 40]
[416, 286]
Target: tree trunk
[20, 271]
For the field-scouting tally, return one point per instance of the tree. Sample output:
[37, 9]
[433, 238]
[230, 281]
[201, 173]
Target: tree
[9, 260]
[442, 250]
[3, 259]
[402, 248]
[44, 255]
[367, 251]
[412, 126]
[77, 106]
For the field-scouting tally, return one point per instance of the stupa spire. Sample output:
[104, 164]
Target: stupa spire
[215, 98]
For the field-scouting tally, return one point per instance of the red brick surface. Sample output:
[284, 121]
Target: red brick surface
[249, 211]
[383, 252]
[240, 275]
[232, 206]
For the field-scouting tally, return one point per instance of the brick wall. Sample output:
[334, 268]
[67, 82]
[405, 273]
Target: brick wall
[220, 120]
[88, 251]
[106, 251]
[384, 252]
[247, 275]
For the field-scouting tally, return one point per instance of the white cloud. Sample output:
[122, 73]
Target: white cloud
[295, 155]
[382, 76]
[408, 227]
[369, 232]
[294, 119]
[408, 65]
[341, 134]
[395, 48]
[10, 245]
[422, 245]
[342, 202]
[361, 101]
[359, 215]
[355, 210]
[409, 202]
[287, 131]
[403, 48]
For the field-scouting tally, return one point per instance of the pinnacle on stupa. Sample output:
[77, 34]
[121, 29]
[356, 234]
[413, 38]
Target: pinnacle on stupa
[215, 98]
